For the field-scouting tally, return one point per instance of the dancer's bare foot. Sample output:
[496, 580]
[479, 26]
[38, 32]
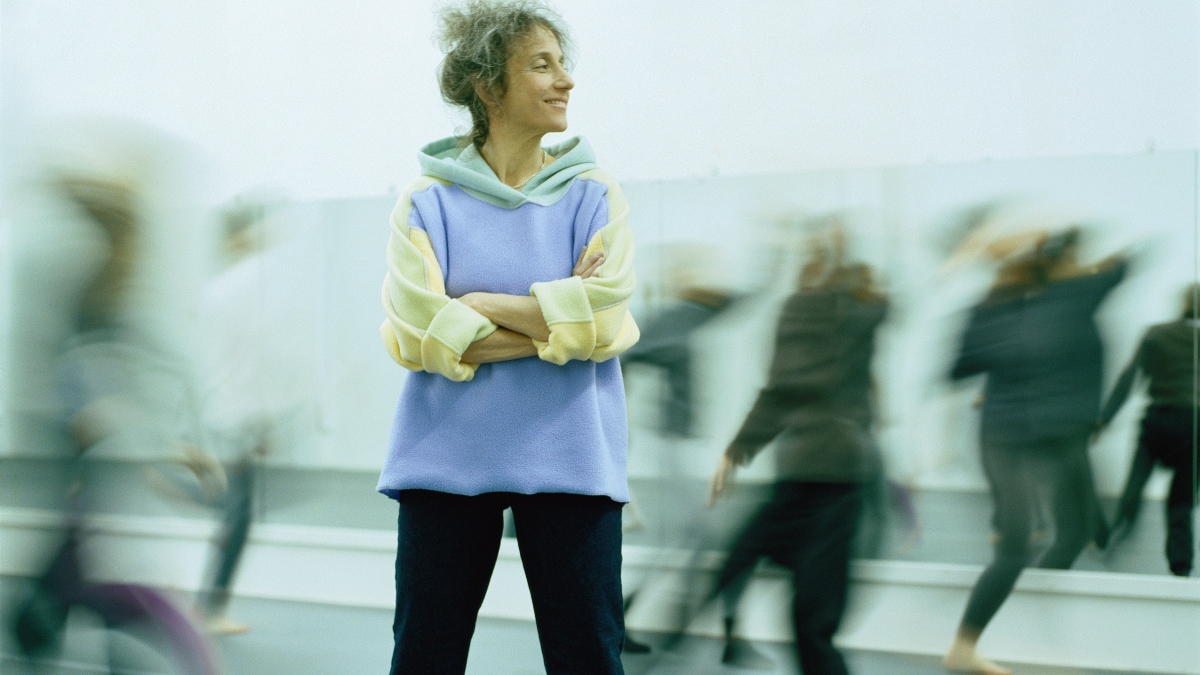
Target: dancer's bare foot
[220, 625]
[962, 659]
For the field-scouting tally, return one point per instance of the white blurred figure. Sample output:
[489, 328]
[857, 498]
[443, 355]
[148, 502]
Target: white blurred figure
[258, 382]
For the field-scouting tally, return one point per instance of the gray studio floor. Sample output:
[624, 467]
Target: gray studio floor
[289, 638]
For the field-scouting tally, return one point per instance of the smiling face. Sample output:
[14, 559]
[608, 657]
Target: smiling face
[535, 100]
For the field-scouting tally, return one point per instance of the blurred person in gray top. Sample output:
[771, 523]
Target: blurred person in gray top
[1167, 362]
[817, 409]
[1035, 338]
[818, 396]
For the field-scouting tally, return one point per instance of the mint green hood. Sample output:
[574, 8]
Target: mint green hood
[448, 160]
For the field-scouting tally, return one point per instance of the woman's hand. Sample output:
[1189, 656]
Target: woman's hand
[722, 480]
[588, 267]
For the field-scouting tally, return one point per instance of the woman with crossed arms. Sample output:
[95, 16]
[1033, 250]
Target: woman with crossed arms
[510, 268]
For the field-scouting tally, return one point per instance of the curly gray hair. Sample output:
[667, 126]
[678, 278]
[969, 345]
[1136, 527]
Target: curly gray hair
[478, 37]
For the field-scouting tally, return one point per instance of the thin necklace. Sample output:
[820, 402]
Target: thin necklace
[524, 182]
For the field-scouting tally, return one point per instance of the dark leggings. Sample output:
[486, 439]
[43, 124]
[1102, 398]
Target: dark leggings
[570, 549]
[1017, 475]
[1166, 440]
[237, 511]
[808, 528]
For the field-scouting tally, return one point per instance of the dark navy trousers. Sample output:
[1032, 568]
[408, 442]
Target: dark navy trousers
[570, 549]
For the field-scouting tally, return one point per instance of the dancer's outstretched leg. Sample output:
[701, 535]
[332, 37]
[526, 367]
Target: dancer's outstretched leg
[1013, 497]
[751, 544]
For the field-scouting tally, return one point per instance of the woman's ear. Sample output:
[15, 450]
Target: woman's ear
[490, 101]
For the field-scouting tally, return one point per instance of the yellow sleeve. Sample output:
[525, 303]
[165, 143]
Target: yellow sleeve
[590, 319]
[425, 329]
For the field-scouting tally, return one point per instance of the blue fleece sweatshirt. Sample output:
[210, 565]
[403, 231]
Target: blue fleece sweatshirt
[551, 423]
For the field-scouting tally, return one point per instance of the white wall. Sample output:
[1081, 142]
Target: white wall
[328, 99]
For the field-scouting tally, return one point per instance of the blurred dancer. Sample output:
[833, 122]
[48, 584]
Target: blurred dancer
[510, 268]
[1166, 359]
[96, 382]
[818, 404]
[1036, 339]
[247, 389]
[666, 344]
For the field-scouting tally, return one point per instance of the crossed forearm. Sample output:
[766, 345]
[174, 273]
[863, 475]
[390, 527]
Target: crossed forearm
[518, 313]
[519, 317]
[501, 345]
[520, 320]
